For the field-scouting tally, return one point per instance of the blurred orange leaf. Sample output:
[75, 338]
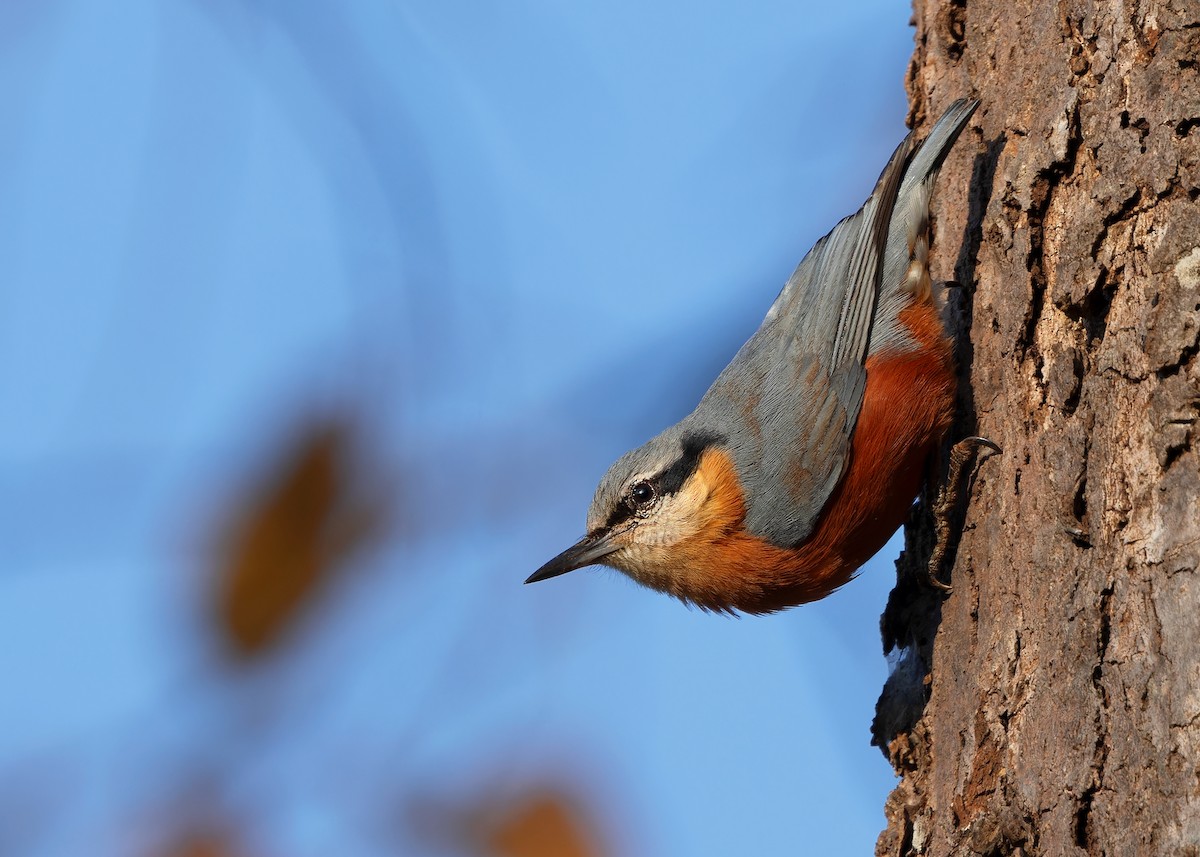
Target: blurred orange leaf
[302, 527]
[542, 825]
[202, 845]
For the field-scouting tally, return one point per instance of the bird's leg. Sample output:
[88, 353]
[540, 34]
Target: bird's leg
[961, 455]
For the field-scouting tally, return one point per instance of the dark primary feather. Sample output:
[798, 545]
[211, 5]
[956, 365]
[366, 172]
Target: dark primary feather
[921, 173]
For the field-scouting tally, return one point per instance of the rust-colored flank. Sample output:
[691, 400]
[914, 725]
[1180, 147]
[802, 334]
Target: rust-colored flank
[907, 410]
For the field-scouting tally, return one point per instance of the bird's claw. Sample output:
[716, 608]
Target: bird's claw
[961, 455]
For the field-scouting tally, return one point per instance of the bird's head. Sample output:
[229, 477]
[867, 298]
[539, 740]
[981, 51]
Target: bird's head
[657, 509]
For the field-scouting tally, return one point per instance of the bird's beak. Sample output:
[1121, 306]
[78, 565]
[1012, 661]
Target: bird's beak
[590, 549]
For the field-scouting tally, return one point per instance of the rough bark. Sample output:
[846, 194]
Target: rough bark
[1051, 703]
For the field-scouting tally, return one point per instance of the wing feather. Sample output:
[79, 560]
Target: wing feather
[789, 400]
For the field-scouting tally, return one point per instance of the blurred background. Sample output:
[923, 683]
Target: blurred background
[319, 323]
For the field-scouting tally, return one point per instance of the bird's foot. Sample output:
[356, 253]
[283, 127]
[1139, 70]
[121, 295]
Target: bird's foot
[962, 454]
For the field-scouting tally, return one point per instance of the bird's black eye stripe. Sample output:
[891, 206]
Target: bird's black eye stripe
[673, 478]
[643, 494]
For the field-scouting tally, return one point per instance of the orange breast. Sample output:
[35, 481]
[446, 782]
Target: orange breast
[907, 409]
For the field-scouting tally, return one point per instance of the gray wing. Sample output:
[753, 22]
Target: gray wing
[788, 401]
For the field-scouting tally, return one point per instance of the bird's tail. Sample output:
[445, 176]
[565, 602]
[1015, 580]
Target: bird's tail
[906, 259]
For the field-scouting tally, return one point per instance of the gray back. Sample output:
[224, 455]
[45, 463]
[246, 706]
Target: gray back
[788, 402]
[786, 405]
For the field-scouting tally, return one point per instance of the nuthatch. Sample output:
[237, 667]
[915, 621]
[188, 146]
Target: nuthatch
[808, 450]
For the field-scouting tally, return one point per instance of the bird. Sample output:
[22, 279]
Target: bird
[809, 449]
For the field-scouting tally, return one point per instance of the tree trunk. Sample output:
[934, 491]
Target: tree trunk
[1051, 703]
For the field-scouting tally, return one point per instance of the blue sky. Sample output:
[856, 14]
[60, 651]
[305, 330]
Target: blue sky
[512, 240]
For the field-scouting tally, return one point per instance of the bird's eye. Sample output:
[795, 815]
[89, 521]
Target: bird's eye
[642, 494]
